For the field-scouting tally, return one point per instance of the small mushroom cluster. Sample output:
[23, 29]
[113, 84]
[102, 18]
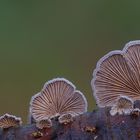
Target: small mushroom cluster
[58, 98]
[115, 83]
[116, 79]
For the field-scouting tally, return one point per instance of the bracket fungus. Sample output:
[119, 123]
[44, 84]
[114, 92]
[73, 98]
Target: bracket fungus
[123, 105]
[65, 118]
[118, 74]
[58, 98]
[7, 121]
[44, 124]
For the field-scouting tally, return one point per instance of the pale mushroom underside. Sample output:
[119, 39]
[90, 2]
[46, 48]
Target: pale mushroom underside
[58, 96]
[117, 74]
[123, 105]
[7, 121]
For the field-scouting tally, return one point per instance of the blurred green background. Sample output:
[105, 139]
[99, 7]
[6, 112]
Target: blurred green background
[41, 40]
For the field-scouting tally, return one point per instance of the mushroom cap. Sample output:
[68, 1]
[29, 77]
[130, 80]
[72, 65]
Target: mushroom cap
[58, 96]
[125, 102]
[123, 105]
[8, 120]
[116, 74]
[65, 118]
[44, 124]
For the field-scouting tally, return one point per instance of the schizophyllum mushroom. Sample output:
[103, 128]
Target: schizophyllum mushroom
[65, 118]
[118, 74]
[47, 123]
[7, 121]
[58, 98]
[123, 105]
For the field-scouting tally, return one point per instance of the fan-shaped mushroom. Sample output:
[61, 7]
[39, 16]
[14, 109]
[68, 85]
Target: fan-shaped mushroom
[123, 105]
[117, 74]
[58, 97]
[7, 121]
[47, 123]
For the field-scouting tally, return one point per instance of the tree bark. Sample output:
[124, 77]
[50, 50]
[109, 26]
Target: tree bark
[97, 125]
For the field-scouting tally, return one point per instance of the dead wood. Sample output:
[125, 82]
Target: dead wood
[96, 125]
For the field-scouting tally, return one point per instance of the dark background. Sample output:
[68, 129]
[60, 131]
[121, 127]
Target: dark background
[41, 40]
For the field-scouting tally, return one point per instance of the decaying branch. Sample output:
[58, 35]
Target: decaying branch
[97, 125]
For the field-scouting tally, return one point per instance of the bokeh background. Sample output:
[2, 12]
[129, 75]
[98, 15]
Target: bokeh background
[41, 40]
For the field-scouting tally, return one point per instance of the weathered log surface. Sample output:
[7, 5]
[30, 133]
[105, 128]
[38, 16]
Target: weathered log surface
[97, 125]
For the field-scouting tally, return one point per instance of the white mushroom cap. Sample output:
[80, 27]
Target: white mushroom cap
[123, 105]
[117, 73]
[44, 124]
[7, 121]
[58, 96]
[65, 118]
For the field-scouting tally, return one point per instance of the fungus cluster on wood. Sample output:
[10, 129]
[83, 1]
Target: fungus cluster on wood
[59, 111]
[58, 98]
[7, 121]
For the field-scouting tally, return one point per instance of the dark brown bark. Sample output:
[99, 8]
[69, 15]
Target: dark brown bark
[97, 125]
